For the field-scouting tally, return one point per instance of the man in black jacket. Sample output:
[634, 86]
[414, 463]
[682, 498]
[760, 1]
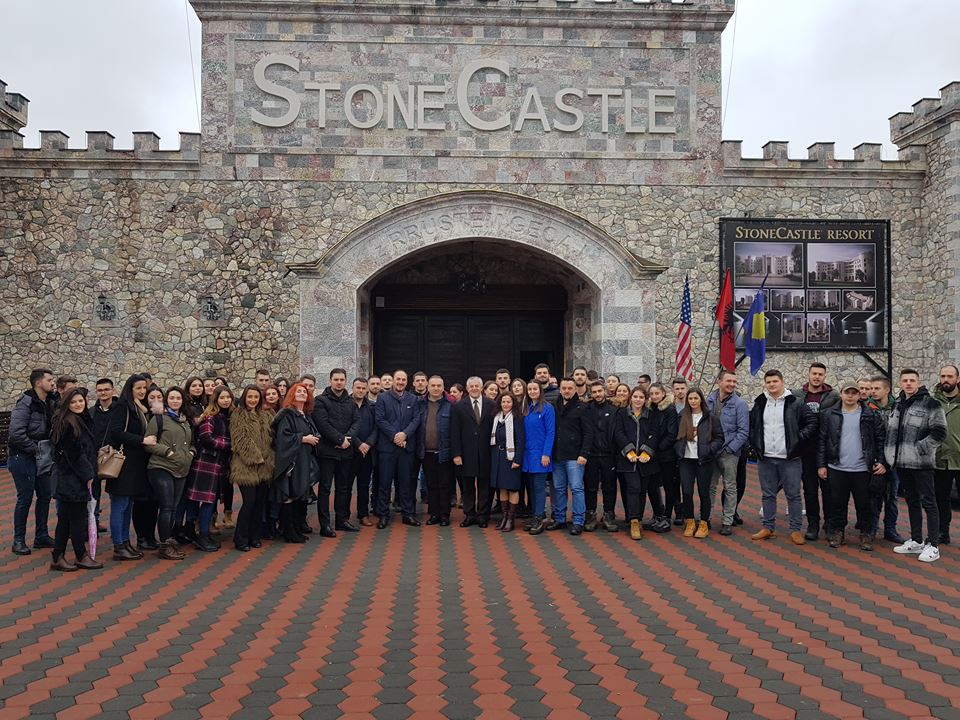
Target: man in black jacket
[336, 416]
[364, 442]
[850, 450]
[571, 448]
[471, 423]
[781, 425]
[31, 459]
[101, 413]
[600, 471]
[819, 397]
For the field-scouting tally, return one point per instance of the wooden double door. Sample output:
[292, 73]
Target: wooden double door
[458, 344]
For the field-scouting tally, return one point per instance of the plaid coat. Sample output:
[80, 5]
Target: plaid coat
[211, 467]
[915, 430]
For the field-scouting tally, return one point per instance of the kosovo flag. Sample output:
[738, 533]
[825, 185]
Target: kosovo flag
[755, 334]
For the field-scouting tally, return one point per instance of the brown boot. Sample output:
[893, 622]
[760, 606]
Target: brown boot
[169, 550]
[88, 563]
[62, 564]
[133, 551]
[122, 552]
[503, 516]
[510, 512]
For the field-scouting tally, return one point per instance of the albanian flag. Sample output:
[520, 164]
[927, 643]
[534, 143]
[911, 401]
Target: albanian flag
[728, 348]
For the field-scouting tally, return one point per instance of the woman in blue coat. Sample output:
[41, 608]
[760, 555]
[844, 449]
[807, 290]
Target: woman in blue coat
[539, 426]
[506, 459]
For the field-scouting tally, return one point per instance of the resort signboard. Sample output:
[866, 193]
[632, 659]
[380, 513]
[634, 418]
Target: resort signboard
[825, 282]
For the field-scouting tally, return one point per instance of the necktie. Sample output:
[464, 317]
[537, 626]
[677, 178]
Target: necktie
[476, 409]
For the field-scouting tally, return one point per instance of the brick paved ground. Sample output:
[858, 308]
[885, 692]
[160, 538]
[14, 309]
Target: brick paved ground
[445, 622]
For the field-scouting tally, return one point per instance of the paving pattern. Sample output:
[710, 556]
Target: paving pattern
[463, 623]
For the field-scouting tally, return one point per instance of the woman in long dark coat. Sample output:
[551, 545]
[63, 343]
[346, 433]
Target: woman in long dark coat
[636, 442]
[295, 465]
[506, 459]
[74, 469]
[211, 469]
[128, 427]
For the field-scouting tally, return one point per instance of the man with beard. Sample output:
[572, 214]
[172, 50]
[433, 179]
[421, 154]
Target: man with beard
[580, 381]
[398, 418]
[947, 473]
[502, 379]
[818, 396]
[915, 431]
[541, 373]
[373, 388]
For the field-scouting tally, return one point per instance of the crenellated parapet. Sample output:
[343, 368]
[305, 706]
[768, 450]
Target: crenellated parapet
[13, 109]
[55, 159]
[821, 164]
[928, 119]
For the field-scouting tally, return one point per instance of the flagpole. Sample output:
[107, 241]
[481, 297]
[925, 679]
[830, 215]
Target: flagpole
[707, 354]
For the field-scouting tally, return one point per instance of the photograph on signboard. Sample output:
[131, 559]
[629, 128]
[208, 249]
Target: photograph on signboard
[787, 300]
[818, 327]
[862, 329]
[859, 300]
[835, 264]
[780, 263]
[743, 298]
[791, 328]
[823, 300]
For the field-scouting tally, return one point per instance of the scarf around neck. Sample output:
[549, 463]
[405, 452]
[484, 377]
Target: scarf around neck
[508, 423]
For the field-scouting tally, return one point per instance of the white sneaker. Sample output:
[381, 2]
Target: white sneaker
[929, 554]
[909, 548]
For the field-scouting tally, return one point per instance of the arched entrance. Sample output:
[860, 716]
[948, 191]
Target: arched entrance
[603, 293]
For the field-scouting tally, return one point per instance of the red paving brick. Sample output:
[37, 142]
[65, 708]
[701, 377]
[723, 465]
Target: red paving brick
[446, 620]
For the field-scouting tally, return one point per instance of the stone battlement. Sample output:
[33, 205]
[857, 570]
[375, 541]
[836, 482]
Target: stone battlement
[867, 163]
[929, 115]
[13, 109]
[55, 159]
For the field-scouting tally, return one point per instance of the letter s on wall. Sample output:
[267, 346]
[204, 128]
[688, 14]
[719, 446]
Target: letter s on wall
[271, 88]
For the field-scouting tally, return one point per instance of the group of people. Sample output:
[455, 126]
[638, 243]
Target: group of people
[174, 456]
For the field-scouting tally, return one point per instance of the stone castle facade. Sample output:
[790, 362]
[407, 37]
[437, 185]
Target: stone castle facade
[341, 139]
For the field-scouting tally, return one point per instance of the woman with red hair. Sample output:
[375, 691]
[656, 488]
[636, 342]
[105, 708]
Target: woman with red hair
[296, 468]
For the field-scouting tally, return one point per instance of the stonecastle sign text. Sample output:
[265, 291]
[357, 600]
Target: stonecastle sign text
[422, 107]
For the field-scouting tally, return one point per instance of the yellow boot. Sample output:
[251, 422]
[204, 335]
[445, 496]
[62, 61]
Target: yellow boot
[688, 527]
[228, 523]
[636, 533]
[214, 525]
[702, 530]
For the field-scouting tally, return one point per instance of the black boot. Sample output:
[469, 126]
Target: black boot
[813, 530]
[287, 529]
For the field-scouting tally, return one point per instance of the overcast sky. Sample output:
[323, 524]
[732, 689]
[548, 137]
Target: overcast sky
[798, 70]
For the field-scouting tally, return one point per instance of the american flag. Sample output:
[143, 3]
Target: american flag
[684, 336]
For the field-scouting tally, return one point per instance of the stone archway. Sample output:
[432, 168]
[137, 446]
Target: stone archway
[333, 327]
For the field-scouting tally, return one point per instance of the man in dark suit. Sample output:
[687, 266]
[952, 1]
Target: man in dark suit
[398, 418]
[471, 423]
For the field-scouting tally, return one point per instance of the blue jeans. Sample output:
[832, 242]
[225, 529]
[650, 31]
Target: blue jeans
[121, 513]
[781, 474]
[568, 473]
[889, 504]
[538, 492]
[23, 467]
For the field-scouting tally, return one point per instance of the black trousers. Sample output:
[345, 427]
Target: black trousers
[943, 481]
[250, 518]
[226, 496]
[439, 478]
[656, 496]
[476, 497]
[145, 513]
[364, 470]
[813, 486]
[600, 473]
[742, 475]
[72, 525]
[166, 490]
[336, 473]
[842, 485]
[919, 489]
[670, 479]
[693, 472]
[634, 487]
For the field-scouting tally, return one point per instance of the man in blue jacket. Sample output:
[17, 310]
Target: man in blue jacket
[735, 421]
[398, 418]
[31, 459]
[364, 466]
